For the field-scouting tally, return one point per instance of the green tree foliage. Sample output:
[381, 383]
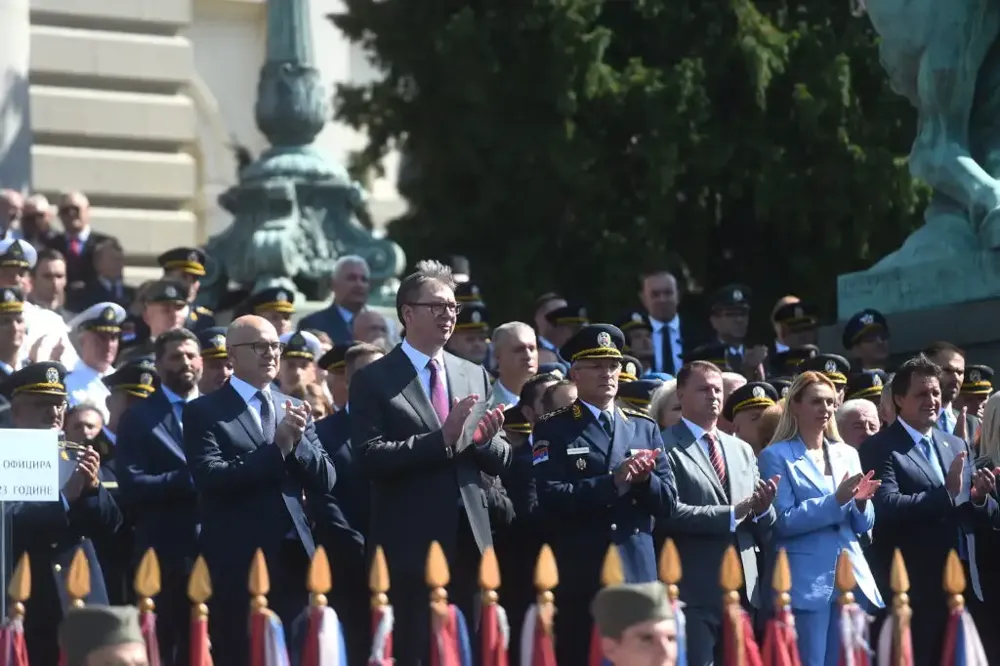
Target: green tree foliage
[565, 143]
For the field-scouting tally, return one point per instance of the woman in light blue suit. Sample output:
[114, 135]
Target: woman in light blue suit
[823, 508]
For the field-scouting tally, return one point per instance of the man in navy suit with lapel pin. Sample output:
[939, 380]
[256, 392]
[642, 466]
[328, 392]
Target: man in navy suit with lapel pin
[253, 454]
[420, 422]
[602, 480]
[51, 533]
[156, 483]
[930, 502]
[349, 596]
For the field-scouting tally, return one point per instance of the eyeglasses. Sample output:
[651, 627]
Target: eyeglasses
[261, 348]
[69, 210]
[438, 309]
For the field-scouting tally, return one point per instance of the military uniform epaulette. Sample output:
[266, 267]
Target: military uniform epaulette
[634, 412]
[549, 415]
[203, 311]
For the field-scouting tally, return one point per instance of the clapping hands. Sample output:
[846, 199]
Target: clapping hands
[636, 468]
[984, 482]
[289, 431]
[85, 476]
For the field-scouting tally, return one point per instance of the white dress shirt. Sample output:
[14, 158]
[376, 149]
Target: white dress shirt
[503, 396]
[84, 384]
[419, 361]
[672, 329]
[177, 403]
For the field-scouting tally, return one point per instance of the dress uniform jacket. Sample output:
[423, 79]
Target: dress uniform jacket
[584, 513]
[51, 533]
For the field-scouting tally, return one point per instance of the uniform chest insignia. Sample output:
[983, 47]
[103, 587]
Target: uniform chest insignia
[577, 412]
[581, 464]
[557, 412]
[633, 412]
[540, 452]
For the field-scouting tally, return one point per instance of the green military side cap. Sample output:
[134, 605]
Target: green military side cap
[90, 628]
[618, 607]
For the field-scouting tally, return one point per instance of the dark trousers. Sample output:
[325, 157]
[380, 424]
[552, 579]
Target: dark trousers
[411, 601]
[173, 613]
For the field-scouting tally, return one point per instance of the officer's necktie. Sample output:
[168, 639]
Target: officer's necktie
[715, 457]
[605, 420]
[266, 415]
[925, 448]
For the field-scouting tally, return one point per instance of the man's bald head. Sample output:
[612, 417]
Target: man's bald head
[249, 328]
[254, 350]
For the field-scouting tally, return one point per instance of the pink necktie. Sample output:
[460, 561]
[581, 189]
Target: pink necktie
[439, 396]
[715, 457]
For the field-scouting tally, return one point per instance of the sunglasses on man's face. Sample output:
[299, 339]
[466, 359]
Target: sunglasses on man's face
[67, 211]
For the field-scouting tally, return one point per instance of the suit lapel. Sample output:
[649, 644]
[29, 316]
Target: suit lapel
[244, 417]
[624, 435]
[414, 392]
[592, 430]
[946, 453]
[916, 456]
[808, 468]
[169, 428]
[458, 380]
[735, 474]
[694, 451]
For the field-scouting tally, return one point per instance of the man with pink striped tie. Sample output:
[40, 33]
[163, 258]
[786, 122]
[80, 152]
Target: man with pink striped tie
[421, 426]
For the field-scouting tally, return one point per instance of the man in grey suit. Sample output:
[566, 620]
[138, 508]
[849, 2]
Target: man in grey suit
[419, 419]
[721, 502]
[515, 348]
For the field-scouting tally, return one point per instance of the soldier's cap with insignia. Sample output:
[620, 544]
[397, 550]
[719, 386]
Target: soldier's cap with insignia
[781, 385]
[788, 361]
[568, 315]
[978, 380]
[557, 370]
[167, 291]
[213, 342]
[732, 296]
[272, 299]
[301, 344]
[594, 341]
[42, 378]
[634, 320]
[17, 253]
[468, 293]
[631, 369]
[190, 260]
[799, 316]
[472, 317]
[87, 629]
[515, 421]
[835, 367]
[11, 300]
[618, 607]
[861, 324]
[638, 393]
[867, 384]
[749, 396]
[136, 378]
[335, 359]
[713, 352]
[100, 318]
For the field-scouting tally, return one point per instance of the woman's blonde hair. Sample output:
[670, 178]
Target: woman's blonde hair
[658, 401]
[768, 422]
[787, 427]
[989, 431]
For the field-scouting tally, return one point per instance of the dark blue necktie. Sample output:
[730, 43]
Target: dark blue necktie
[266, 415]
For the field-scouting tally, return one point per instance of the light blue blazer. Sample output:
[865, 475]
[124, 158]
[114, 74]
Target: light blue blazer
[812, 527]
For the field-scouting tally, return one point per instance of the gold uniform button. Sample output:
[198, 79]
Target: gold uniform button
[635, 532]
[58, 568]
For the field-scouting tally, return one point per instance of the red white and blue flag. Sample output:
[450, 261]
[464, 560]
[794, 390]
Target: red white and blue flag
[537, 648]
[855, 648]
[382, 623]
[324, 644]
[495, 633]
[739, 647]
[13, 649]
[780, 642]
[679, 617]
[267, 640]
[886, 653]
[450, 639]
[962, 645]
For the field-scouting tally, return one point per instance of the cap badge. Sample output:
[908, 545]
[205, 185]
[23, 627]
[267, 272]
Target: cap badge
[737, 295]
[8, 296]
[218, 341]
[52, 376]
[476, 317]
[15, 250]
[298, 340]
[170, 291]
[759, 392]
[877, 381]
[281, 296]
[146, 379]
[784, 391]
[867, 319]
[630, 368]
[974, 376]
[194, 258]
[831, 366]
[604, 339]
[147, 366]
[637, 317]
[108, 314]
[581, 464]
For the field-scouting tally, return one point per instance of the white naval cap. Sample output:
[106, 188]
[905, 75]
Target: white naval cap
[302, 344]
[17, 252]
[100, 317]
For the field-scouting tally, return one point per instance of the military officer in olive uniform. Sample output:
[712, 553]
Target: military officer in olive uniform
[602, 480]
[51, 533]
[187, 265]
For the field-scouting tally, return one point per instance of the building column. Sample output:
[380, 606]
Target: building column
[15, 122]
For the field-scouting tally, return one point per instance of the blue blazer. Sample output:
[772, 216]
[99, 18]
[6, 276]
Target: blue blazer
[812, 526]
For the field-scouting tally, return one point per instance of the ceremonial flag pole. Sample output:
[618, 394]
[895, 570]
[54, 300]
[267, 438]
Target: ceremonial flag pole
[494, 628]
[13, 648]
[324, 644]
[449, 634]
[962, 644]
[147, 586]
[670, 574]
[855, 649]
[199, 591]
[267, 637]
[780, 643]
[537, 646]
[739, 646]
[895, 644]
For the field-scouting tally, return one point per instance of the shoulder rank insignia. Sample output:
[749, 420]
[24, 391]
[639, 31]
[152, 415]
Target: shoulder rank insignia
[539, 452]
[557, 412]
[577, 412]
[202, 310]
[635, 412]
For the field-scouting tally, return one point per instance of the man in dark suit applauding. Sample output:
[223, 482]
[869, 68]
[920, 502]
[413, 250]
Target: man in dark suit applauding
[929, 503]
[253, 454]
[420, 423]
